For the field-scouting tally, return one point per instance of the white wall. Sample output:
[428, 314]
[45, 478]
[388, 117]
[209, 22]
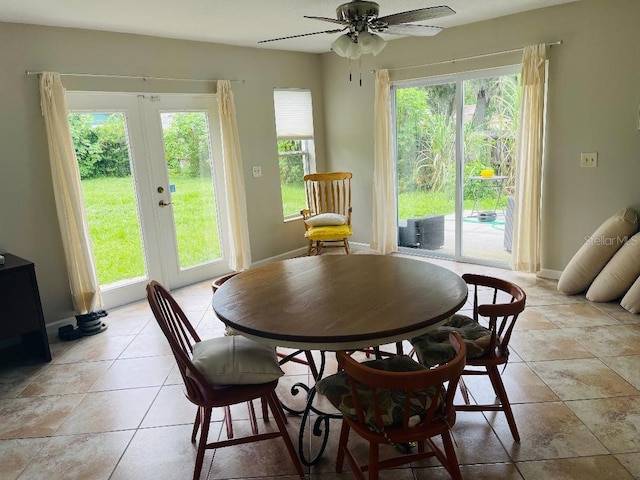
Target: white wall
[594, 97]
[29, 226]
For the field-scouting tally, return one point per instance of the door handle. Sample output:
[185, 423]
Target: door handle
[162, 203]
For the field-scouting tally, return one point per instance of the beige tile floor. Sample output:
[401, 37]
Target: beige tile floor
[111, 406]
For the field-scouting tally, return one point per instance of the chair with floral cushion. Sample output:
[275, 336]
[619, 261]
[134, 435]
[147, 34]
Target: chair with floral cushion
[396, 401]
[327, 218]
[220, 372]
[496, 306]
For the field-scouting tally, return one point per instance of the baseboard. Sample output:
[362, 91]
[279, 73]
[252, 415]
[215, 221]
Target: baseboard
[549, 274]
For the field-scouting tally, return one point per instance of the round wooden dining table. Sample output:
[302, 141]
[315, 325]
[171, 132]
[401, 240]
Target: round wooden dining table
[339, 302]
[336, 302]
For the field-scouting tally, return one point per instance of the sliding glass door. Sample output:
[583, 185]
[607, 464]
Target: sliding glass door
[455, 151]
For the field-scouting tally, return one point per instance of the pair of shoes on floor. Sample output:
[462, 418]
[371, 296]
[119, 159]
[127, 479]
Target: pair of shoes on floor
[91, 323]
[91, 316]
[88, 324]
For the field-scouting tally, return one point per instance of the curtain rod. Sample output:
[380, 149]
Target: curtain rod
[135, 77]
[473, 57]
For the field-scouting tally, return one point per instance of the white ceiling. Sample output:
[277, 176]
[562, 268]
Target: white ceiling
[237, 22]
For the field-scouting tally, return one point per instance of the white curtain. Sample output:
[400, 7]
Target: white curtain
[239, 250]
[67, 189]
[384, 237]
[529, 152]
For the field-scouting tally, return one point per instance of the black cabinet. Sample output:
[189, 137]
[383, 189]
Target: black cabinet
[20, 307]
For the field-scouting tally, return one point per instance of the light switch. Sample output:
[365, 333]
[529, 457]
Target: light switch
[257, 171]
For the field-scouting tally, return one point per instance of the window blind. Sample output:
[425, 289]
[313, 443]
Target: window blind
[294, 116]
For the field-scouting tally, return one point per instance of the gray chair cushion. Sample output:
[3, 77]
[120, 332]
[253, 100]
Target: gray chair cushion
[236, 360]
[434, 348]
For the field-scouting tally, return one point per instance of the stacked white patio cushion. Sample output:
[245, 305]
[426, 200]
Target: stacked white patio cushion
[608, 263]
[618, 274]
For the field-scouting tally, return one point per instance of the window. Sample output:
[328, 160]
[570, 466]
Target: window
[296, 153]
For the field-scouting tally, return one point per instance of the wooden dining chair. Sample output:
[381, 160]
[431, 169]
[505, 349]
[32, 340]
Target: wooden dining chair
[285, 357]
[397, 402]
[200, 390]
[327, 218]
[497, 304]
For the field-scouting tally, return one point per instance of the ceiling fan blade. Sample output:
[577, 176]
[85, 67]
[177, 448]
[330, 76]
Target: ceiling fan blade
[413, 30]
[302, 35]
[416, 15]
[327, 19]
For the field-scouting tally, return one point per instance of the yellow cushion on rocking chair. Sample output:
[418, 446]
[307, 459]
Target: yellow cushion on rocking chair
[332, 232]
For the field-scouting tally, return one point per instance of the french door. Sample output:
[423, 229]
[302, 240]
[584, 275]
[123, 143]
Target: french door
[152, 182]
[455, 161]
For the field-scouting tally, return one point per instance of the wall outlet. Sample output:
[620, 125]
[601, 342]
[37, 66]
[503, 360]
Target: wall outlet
[257, 171]
[589, 160]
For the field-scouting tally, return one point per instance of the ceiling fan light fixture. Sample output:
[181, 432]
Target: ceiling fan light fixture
[352, 47]
[371, 43]
[346, 47]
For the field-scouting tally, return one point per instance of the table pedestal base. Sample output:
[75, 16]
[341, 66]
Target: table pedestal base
[320, 425]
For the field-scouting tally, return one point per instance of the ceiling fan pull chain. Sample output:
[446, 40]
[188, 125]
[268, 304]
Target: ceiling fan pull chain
[349, 69]
[360, 69]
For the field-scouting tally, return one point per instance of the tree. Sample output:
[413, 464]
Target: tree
[101, 148]
[186, 143]
[425, 137]
[85, 143]
[436, 157]
[411, 106]
[291, 166]
[114, 147]
[506, 118]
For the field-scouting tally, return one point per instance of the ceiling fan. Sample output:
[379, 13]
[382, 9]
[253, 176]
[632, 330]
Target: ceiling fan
[361, 22]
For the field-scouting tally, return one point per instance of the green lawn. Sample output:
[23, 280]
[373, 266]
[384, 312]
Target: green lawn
[196, 222]
[114, 228]
[293, 199]
[116, 233]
